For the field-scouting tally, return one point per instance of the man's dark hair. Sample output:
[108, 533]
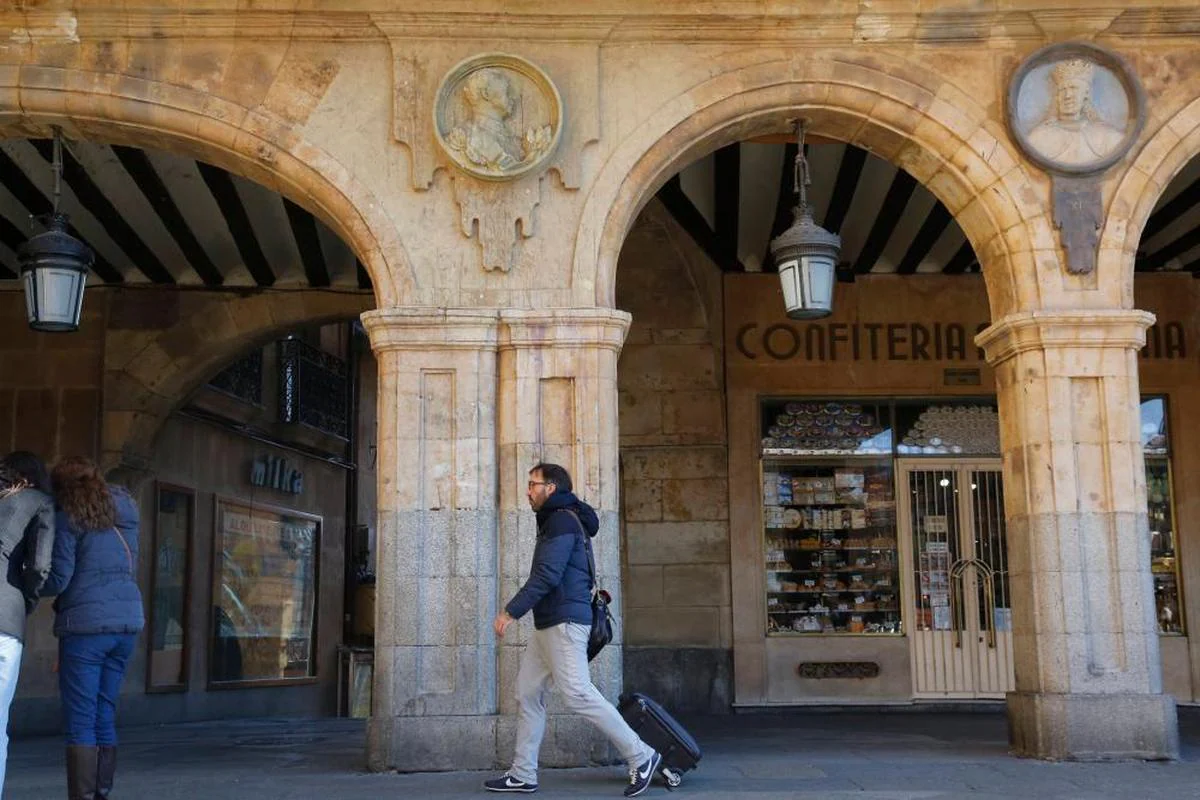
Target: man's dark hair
[553, 473]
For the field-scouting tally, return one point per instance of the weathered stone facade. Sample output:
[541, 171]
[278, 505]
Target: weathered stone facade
[675, 493]
[483, 371]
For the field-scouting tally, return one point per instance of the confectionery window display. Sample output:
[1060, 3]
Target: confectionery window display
[1164, 560]
[829, 522]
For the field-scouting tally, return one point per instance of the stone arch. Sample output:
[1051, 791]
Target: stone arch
[148, 374]
[896, 109]
[252, 142]
[1160, 159]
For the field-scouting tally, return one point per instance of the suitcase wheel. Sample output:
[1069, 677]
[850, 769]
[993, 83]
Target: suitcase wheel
[672, 777]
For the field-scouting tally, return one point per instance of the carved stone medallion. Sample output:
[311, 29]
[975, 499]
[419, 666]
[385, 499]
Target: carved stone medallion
[1075, 108]
[497, 116]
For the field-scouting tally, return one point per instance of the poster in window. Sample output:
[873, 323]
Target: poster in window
[264, 594]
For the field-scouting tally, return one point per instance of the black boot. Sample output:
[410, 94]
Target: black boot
[106, 768]
[81, 771]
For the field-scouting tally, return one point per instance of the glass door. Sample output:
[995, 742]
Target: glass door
[952, 532]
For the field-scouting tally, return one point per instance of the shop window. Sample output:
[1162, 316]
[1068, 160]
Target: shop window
[1164, 559]
[829, 519]
[947, 429]
[264, 613]
[169, 596]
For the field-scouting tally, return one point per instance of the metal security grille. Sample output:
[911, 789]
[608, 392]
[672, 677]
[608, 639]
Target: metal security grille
[959, 597]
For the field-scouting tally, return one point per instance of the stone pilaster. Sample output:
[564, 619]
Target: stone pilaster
[470, 399]
[558, 403]
[1088, 678]
[434, 703]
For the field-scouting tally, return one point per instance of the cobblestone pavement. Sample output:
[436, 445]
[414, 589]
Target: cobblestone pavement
[778, 756]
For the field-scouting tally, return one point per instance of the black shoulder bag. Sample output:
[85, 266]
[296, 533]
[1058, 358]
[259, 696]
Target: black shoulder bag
[602, 621]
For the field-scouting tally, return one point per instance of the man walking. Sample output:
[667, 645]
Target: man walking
[559, 592]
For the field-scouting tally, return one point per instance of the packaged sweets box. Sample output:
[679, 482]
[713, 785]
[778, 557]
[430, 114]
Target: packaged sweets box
[848, 479]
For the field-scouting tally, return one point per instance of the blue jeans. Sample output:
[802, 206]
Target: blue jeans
[10, 665]
[90, 669]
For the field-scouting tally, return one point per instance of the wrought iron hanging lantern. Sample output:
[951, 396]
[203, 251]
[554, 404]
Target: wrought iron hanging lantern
[806, 254]
[54, 267]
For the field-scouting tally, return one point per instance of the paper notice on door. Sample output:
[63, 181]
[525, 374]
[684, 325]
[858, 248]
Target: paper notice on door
[1003, 619]
[941, 618]
[936, 523]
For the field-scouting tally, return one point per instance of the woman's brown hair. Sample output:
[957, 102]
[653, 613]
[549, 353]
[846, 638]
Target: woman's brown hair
[83, 494]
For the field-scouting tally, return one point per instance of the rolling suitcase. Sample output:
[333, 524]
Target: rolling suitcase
[659, 729]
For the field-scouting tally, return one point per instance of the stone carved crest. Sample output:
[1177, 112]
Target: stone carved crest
[1075, 109]
[497, 117]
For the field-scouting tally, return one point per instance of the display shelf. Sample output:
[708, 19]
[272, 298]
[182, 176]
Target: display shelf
[819, 518]
[1164, 564]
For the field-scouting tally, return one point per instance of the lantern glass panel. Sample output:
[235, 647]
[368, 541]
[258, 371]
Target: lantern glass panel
[819, 269]
[54, 297]
[789, 279]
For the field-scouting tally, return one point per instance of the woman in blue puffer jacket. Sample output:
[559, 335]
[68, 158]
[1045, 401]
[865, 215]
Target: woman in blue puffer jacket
[98, 615]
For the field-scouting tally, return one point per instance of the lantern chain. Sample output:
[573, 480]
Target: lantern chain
[802, 178]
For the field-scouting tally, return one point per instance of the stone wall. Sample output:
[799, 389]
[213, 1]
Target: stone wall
[50, 383]
[673, 462]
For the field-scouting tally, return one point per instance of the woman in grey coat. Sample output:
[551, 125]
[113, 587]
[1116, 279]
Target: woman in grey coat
[26, 548]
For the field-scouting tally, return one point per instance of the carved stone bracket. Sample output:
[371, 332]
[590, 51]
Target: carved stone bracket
[1078, 217]
[498, 216]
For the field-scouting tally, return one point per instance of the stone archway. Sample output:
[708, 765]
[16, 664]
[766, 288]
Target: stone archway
[149, 373]
[1085, 688]
[1166, 152]
[256, 142]
[898, 110]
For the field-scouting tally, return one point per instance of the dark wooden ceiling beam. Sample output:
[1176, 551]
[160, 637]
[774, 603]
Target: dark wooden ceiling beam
[894, 203]
[785, 201]
[932, 228]
[12, 236]
[38, 205]
[1172, 210]
[693, 222]
[727, 180]
[1159, 258]
[960, 261]
[308, 242]
[220, 183]
[844, 186]
[139, 167]
[92, 198]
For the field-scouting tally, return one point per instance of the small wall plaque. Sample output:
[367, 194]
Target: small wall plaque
[952, 376]
[820, 670]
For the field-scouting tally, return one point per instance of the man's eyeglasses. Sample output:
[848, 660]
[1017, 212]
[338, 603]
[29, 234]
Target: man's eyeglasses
[532, 484]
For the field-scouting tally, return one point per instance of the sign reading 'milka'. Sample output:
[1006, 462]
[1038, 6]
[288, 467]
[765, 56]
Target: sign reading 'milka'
[883, 319]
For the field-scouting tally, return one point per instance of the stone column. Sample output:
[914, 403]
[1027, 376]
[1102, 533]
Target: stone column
[1088, 677]
[558, 403]
[434, 702]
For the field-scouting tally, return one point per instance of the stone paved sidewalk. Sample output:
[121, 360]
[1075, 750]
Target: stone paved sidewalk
[777, 756]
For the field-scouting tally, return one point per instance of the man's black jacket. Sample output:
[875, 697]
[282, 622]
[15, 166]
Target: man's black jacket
[559, 588]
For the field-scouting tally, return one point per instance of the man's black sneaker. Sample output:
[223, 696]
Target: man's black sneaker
[639, 778]
[507, 783]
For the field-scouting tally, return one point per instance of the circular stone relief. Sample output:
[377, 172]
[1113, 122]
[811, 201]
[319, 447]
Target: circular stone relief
[497, 116]
[1075, 108]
